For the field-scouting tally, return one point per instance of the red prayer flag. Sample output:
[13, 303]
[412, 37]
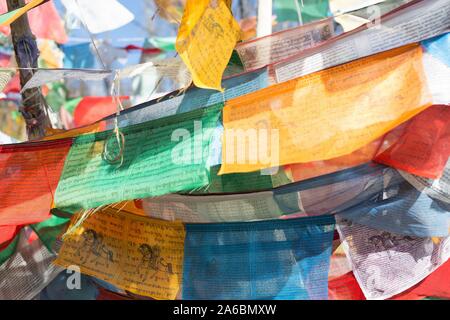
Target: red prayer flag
[424, 147]
[30, 173]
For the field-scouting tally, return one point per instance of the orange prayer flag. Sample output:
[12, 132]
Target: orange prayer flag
[324, 115]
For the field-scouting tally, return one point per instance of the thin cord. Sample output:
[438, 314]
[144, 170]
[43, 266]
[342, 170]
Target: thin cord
[90, 35]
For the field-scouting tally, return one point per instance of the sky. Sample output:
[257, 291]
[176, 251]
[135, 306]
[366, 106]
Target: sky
[134, 29]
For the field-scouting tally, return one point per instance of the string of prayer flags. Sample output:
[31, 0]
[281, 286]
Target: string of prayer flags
[323, 195]
[43, 76]
[412, 23]
[225, 208]
[300, 117]
[149, 159]
[11, 16]
[30, 173]
[386, 264]
[281, 259]
[137, 254]
[423, 148]
[279, 46]
[206, 38]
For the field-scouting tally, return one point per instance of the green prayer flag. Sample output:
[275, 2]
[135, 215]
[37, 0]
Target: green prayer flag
[160, 156]
[165, 44]
[311, 10]
[49, 230]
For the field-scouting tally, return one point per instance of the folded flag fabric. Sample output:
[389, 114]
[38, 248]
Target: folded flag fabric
[30, 173]
[322, 195]
[282, 45]
[11, 16]
[207, 36]
[413, 22]
[258, 260]
[437, 189]
[423, 149]
[402, 210]
[386, 264]
[149, 159]
[301, 118]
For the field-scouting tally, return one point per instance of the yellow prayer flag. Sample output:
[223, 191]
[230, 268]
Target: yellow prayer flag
[170, 10]
[135, 253]
[206, 39]
[326, 114]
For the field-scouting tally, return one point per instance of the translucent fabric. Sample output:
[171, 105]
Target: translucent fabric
[386, 264]
[281, 45]
[149, 159]
[411, 23]
[403, 210]
[134, 253]
[27, 271]
[438, 189]
[175, 103]
[375, 95]
[258, 260]
[206, 38]
[438, 47]
[322, 195]
[8, 248]
[436, 284]
[29, 174]
[423, 149]
[191, 99]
